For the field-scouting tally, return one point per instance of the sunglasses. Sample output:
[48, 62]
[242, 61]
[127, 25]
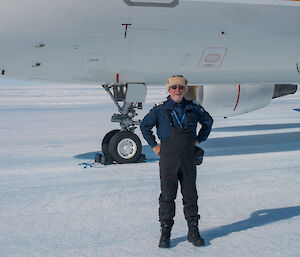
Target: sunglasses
[179, 87]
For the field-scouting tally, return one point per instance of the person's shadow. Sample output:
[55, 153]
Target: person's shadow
[256, 219]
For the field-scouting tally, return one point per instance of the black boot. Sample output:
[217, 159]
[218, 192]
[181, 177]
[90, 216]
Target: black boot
[166, 227]
[193, 234]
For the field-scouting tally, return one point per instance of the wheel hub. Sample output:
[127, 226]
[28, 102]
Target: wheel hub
[127, 148]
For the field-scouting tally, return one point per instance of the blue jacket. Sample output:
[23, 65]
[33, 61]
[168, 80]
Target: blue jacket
[158, 117]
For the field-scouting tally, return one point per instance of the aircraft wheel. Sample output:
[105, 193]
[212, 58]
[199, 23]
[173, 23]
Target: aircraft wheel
[125, 147]
[106, 140]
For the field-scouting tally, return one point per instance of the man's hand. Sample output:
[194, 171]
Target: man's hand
[156, 150]
[197, 142]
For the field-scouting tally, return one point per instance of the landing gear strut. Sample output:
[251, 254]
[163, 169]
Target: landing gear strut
[123, 146]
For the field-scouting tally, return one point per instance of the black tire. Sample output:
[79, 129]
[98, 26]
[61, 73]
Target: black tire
[106, 140]
[125, 147]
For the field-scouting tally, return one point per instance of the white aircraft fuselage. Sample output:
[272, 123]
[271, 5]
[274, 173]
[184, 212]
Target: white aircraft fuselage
[109, 41]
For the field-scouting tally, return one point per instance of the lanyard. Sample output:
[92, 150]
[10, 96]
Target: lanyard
[176, 117]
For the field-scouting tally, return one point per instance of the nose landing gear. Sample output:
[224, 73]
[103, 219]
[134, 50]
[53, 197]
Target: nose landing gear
[123, 146]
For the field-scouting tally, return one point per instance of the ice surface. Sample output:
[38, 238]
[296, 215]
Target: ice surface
[248, 185]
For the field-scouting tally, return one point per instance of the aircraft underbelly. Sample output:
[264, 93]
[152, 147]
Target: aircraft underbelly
[209, 43]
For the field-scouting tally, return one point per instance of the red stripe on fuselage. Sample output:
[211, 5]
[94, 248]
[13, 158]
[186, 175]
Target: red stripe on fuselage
[238, 98]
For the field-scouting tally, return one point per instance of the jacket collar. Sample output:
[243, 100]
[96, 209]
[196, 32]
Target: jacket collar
[169, 104]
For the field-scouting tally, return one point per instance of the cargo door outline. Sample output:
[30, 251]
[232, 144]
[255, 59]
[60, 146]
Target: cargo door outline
[172, 3]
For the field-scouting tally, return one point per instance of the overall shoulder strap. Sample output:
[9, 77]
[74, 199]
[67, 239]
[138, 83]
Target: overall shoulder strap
[169, 113]
[190, 116]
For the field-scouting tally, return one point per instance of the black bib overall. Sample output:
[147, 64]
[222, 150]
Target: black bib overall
[177, 163]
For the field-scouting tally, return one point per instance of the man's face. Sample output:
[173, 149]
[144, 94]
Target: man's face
[177, 92]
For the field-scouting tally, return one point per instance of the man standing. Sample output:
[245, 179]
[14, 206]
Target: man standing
[176, 122]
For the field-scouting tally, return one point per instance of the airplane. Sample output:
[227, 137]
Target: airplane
[237, 55]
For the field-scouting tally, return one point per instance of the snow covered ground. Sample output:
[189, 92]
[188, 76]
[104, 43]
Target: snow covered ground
[248, 185]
